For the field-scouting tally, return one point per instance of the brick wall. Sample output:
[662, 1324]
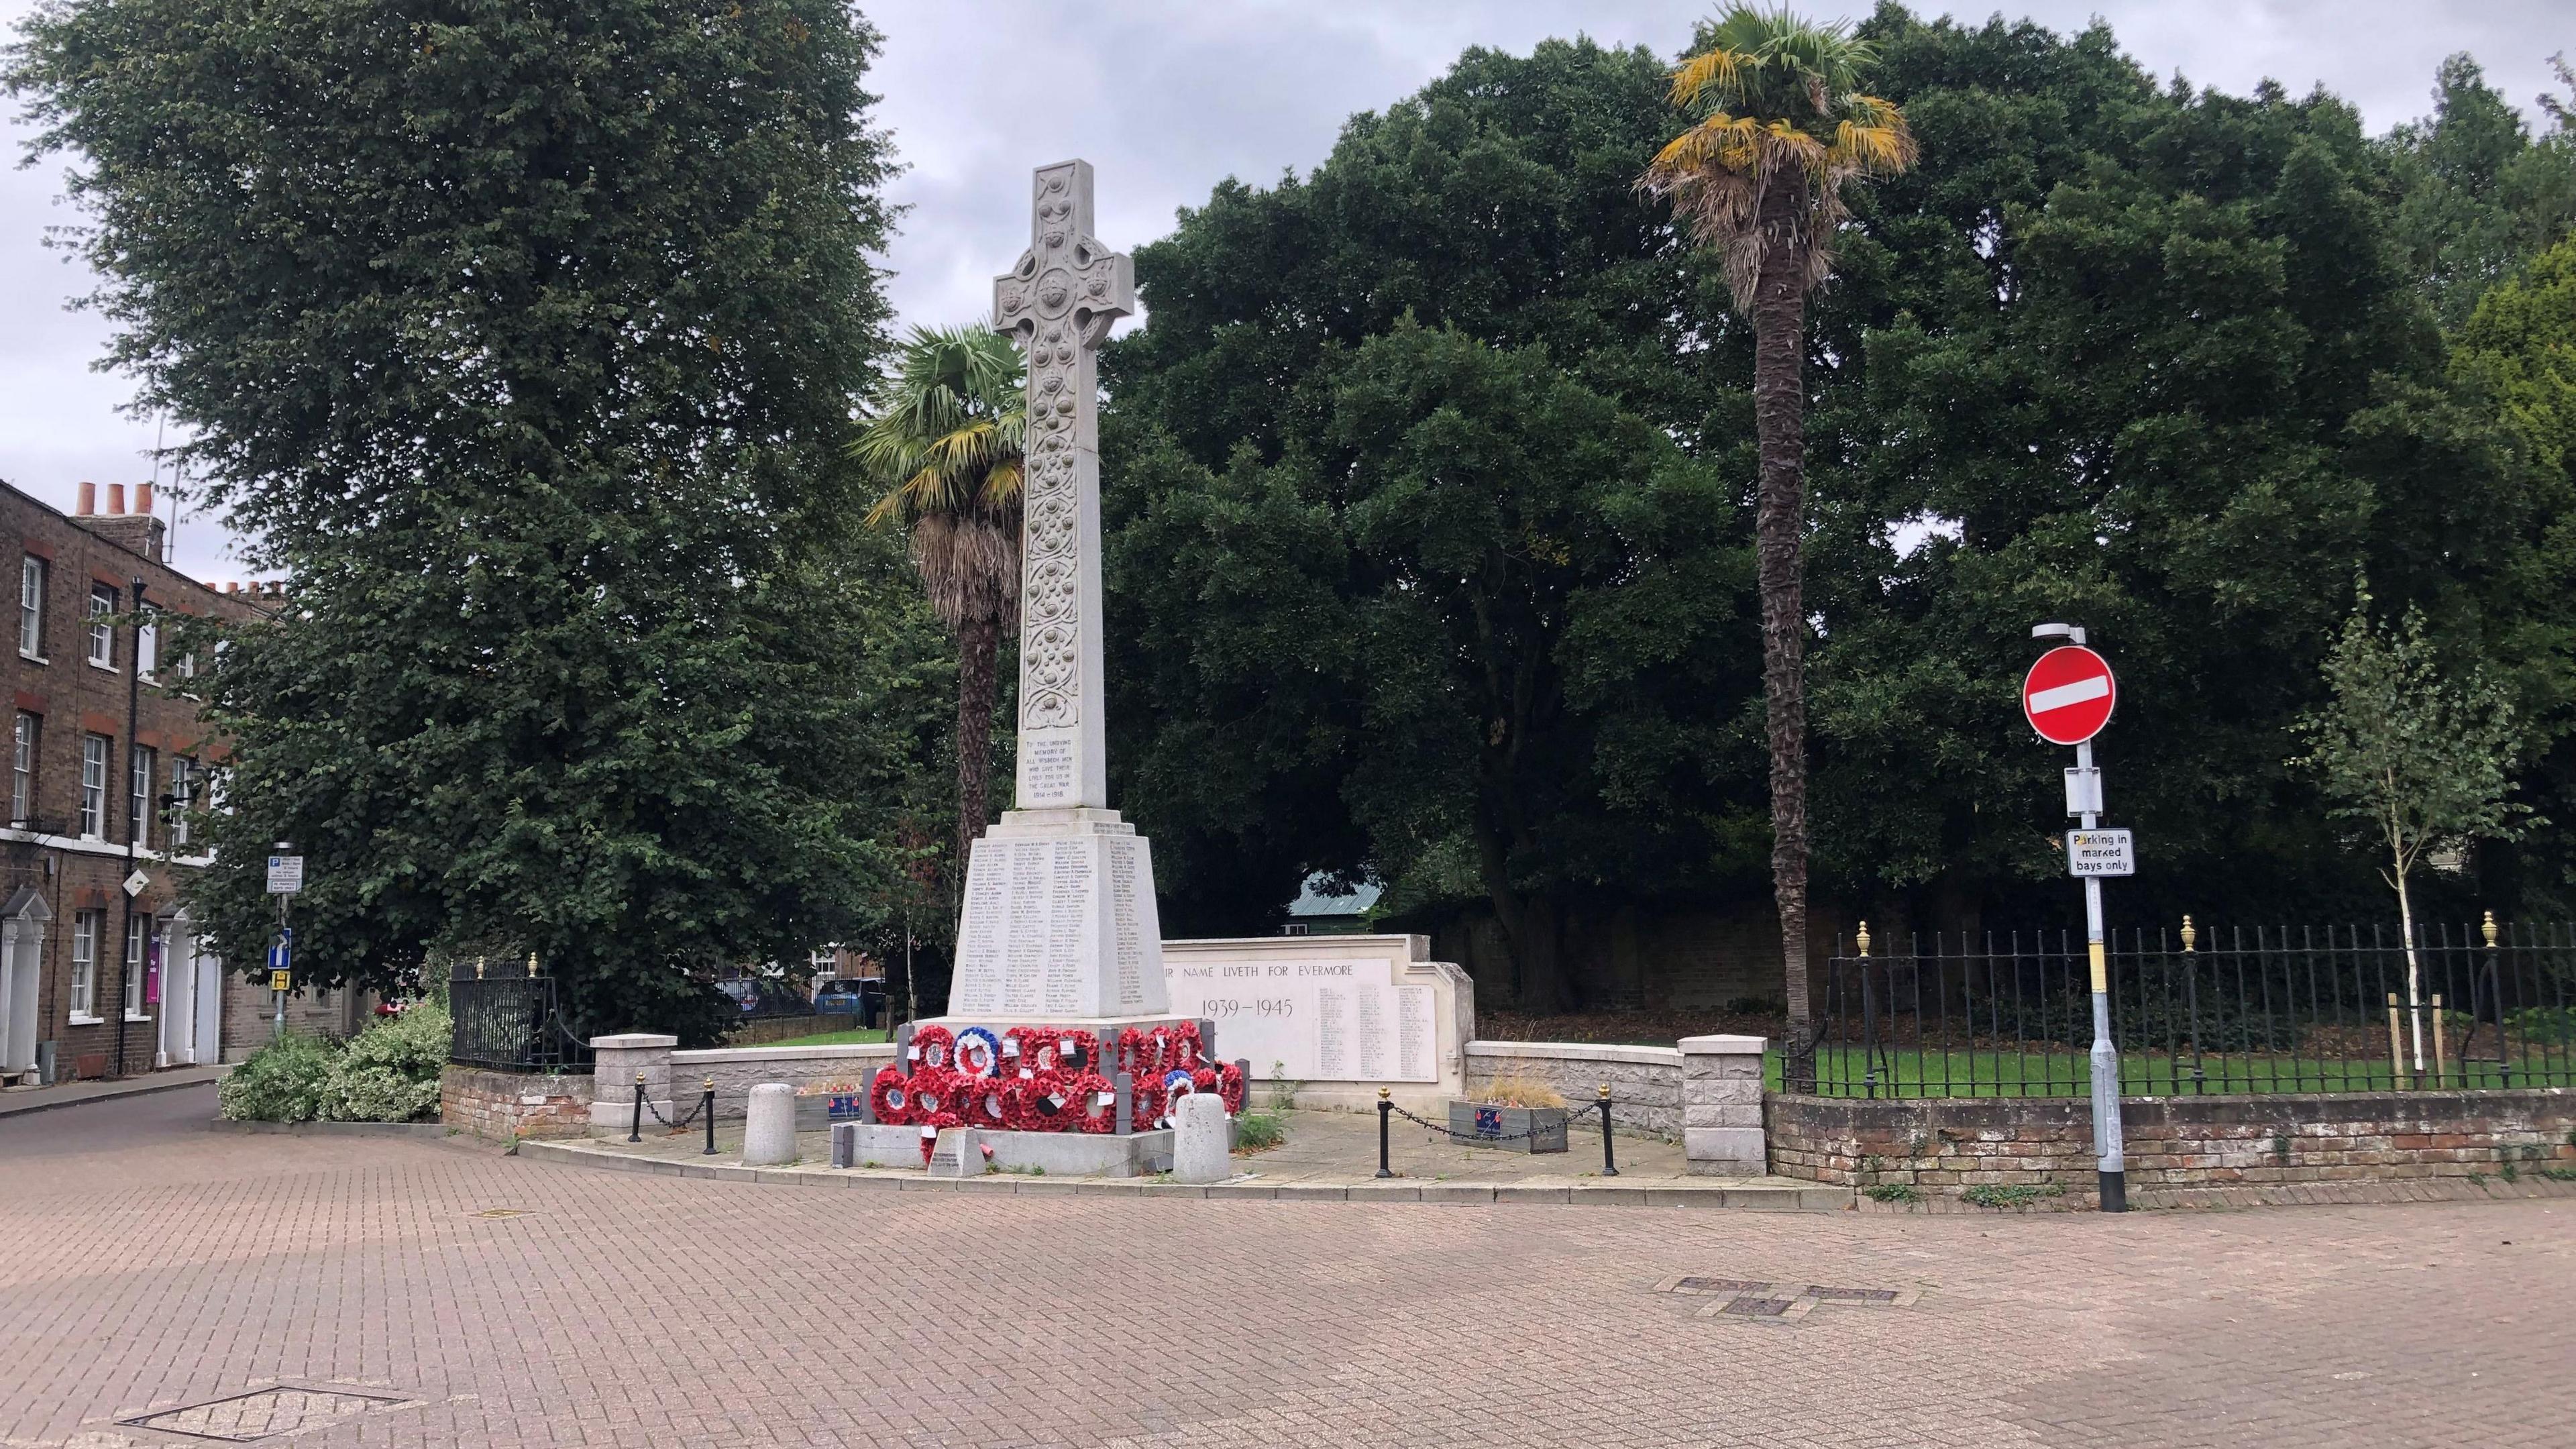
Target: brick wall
[502, 1105]
[1645, 1082]
[2172, 1142]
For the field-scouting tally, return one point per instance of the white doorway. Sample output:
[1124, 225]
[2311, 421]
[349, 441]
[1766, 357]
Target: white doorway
[191, 996]
[22, 966]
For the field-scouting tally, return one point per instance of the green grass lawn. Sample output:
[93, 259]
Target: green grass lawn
[1912, 1073]
[857, 1037]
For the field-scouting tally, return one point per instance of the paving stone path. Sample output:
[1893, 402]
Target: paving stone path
[147, 1266]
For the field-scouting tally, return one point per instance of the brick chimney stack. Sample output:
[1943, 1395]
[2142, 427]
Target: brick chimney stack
[139, 530]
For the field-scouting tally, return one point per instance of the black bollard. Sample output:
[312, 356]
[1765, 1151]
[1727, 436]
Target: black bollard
[1609, 1167]
[1385, 1112]
[707, 1104]
[635, 1129]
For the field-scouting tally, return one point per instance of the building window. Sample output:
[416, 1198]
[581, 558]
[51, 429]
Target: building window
[147, 644]
[85, 964]
[138, 946]
[93, 819]
[183, 797]
[138, 790]
[22, 767]
[102, 634]
[31, 607]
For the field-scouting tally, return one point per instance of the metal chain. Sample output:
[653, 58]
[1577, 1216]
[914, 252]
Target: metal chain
[690, 1116]
[1479, 1137]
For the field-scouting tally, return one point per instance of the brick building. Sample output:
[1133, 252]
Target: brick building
[102, 759]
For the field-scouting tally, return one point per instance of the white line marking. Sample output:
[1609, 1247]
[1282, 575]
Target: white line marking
[2066, 694]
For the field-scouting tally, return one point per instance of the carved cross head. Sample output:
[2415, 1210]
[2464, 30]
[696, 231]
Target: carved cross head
[1067, 283]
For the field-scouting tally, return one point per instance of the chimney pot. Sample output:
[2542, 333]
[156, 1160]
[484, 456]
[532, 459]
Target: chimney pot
[115, 499]
[143, 499]
[88, 499]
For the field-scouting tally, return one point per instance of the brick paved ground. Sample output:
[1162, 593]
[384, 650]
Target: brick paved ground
[144, 1265]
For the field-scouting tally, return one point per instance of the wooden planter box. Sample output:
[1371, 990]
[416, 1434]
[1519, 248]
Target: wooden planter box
[1545, 1126]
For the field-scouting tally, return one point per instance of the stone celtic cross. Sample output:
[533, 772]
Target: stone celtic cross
[1059, 302]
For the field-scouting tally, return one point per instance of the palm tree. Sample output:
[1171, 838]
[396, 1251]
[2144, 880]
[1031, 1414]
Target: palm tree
[942, 436]
[1777, 127]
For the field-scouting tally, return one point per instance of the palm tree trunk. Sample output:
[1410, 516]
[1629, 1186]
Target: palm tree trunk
[979, 640]
[1780, 425]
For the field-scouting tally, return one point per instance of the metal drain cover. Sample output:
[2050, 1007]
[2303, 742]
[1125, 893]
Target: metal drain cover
[1778, 1302]
[262, 1413]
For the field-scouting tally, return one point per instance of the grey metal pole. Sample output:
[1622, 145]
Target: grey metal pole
[2110, 1164]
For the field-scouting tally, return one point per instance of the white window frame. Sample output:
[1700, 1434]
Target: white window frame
[183, 797]
[93, 804]
[84, 993]
[102, 634]
[23, 742]
[31, 606]
[139, 762]
[147, 643]
[138, 950]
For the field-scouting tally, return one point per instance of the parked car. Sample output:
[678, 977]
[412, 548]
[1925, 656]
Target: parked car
[745, 993]
[862, 997]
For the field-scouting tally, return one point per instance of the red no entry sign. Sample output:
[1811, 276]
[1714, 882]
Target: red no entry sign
[2068, 695]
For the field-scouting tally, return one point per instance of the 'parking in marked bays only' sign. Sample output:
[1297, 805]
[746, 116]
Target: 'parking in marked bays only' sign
[2100, 852]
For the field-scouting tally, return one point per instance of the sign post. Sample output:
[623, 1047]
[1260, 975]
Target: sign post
[2067, 697]
[285, 879]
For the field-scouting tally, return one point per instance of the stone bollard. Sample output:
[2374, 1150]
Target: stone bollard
[1722, 1133]
[1199, 1140]
[769, 1126]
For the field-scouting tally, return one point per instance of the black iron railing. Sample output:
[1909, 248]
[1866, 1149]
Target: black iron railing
[513, 1023]
[2338, 1009]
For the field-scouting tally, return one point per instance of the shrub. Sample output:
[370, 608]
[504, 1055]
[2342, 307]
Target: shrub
[2020, 1194]
[1522, 1087]
[1254, 1131]
[284, 1081]
[390, 1073]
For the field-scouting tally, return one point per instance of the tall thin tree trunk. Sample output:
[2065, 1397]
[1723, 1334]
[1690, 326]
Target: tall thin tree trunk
[1779, 416]
[979, 640]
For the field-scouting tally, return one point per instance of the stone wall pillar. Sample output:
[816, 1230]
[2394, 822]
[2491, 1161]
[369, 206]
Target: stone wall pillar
[1722, 1132]
[617, 1060]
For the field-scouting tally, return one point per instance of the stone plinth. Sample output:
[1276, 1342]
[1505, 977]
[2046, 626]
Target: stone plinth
[618, 1062]
[1362, 1012]
[1722, 1133]
[1060, 922]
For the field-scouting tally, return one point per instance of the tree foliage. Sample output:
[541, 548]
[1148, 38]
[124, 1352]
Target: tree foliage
[2157, 359]
[2416, 756]
[524, 340]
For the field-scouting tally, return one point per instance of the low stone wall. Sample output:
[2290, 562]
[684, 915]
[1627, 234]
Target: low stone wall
[1948, 1144]
[501, 1106]
[786, 1028]
[737, 1070]
[1645, 1082]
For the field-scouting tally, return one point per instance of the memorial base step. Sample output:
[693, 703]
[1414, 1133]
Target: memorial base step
[960, 1151]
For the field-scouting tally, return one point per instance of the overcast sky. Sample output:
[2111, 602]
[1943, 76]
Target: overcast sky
[1166, 98]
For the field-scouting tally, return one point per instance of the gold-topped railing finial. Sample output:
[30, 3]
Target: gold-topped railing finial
[1863, 938]
[2489, 929]
[1605, 1091]
[1383, 1093]
[2190, 934]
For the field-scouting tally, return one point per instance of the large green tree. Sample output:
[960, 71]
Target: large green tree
[2477, 192]
[524, 339]
[1415, 571]
[1777, 131]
